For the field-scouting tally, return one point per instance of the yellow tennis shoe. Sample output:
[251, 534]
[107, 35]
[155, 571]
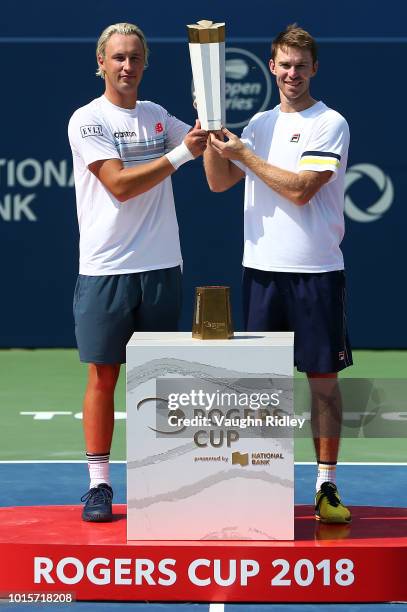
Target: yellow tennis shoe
[328, 505]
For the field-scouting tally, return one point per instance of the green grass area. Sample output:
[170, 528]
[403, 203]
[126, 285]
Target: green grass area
[54, 381]
[47, 381]
[379, 364]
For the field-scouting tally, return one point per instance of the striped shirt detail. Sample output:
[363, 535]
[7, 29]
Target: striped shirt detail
[320, 154]
[320, 162]
[140, 150]
[320, 158]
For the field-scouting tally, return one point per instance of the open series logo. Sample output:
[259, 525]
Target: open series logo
[248, 86]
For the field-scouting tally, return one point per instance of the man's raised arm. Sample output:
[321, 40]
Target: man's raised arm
[221, 173]
[299, 187]
[125, 183]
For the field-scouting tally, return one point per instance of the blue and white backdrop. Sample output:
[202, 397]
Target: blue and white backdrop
[47, 64]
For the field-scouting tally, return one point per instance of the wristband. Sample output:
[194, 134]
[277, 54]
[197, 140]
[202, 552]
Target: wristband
[180, 155]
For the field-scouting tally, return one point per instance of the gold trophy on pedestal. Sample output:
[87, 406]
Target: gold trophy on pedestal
[212, 314]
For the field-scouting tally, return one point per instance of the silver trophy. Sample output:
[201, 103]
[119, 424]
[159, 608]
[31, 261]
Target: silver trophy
[207, 51]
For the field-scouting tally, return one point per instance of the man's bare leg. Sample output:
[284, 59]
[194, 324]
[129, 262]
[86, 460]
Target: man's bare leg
[98, 407]
[98, 424]
[326, 415]
[326, 422]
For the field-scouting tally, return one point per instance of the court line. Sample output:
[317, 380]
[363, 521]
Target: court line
[372, 463]
[216, 607]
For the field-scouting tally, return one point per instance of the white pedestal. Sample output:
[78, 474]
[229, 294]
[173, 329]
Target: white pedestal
[234, 483]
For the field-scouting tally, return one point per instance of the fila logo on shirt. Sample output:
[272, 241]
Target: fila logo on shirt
[91, 130]
[295, 137]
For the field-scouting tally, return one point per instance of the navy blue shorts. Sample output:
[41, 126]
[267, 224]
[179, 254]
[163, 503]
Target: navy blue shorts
[109, 309]
[312, 305]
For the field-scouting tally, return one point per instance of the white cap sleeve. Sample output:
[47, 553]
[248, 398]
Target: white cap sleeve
[327, 146]
[90, 138]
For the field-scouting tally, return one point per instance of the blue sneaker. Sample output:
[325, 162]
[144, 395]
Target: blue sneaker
[98, 506]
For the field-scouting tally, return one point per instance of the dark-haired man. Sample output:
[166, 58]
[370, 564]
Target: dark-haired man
[293, 159]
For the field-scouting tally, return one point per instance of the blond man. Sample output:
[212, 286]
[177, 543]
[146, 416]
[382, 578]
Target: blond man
[124, 153]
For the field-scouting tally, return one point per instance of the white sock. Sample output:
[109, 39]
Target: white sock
[326, 473]
[98, 469]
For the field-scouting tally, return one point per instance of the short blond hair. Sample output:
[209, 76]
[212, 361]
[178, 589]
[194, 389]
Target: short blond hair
[127, 29]
[294, 36]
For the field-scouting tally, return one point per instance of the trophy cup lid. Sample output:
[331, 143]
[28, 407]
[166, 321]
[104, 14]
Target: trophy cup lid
[206, 31]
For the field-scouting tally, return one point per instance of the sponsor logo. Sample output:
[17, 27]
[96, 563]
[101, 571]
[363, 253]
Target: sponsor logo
[124, 134]
[265, 458]
[217, 325]
[341, 355]
[256, 458]
[295, 137]
[125, 573]
[383, 184]
[240, 458]
[159, 128]
[22, 181]
[247, 87]
[91, 130]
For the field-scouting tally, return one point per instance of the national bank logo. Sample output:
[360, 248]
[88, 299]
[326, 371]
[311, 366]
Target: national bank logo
[248, 86]
[240, 458]
[384, 186]
[24, 181]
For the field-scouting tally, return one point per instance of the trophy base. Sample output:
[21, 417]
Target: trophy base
[212, 334]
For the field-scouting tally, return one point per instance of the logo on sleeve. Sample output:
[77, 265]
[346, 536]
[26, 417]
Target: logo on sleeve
[159, 128]
[91, 130]
[295, 137]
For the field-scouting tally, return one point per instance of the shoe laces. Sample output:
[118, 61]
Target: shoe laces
[330, 491]
[99, 494]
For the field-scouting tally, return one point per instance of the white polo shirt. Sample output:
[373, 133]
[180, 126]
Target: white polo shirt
[279, 235]
[139, 234]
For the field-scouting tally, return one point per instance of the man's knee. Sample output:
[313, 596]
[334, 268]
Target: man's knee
[323, 383]
[103, 377]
